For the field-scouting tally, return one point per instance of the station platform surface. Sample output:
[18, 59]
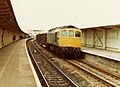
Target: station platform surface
[103, 53]
[15, 70]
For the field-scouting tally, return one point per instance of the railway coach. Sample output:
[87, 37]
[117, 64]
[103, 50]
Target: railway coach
[65, 40]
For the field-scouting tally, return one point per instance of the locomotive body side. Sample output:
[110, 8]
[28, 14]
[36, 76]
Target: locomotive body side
[51, 38]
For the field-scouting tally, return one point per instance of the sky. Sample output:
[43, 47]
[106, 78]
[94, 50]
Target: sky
[47, 14]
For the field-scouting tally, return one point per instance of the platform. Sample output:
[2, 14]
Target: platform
[103, 53]
[15, 70]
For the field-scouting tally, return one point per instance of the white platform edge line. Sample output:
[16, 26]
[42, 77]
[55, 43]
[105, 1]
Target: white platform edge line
[33, 70]
[108, 57]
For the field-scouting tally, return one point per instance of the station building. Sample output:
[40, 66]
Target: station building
[104, 37]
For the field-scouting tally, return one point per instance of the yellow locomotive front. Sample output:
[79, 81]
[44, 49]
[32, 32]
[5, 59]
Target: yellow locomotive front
[69, 40]
[69, 37]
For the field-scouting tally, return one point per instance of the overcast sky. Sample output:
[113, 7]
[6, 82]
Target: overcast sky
[46, 14]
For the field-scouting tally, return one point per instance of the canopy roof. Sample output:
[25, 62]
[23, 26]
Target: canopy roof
[7, 17]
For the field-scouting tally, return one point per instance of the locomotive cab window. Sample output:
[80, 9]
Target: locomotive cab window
[71, 33]
[77, 34]
[64, 33]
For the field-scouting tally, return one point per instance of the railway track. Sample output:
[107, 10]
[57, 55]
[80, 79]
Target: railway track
[49, 75]
[105, 77]
[100, 74]
[101, 77]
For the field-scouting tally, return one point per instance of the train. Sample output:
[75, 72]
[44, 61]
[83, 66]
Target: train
[64, 41]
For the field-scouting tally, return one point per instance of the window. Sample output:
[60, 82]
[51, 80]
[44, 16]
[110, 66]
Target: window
[71, 33]
[58, 34]
[64, 33]
[77, 34]
[55, 36]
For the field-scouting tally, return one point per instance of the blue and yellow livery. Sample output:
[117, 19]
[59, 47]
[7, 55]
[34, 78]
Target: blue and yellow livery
[64, 40]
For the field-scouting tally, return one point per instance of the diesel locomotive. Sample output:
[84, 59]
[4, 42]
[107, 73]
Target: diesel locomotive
[64, 41]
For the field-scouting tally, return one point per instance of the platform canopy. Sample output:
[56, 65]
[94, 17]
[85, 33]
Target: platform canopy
[117, 26]
[7, 17]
